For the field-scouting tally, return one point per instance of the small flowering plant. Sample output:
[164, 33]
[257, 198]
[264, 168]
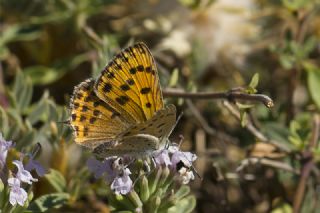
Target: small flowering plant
[154, 184]
[15, 183]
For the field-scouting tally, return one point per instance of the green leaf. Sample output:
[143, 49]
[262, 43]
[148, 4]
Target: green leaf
[254, 81]
[245, 106]
[22, 92]
[185, 205]
[284, 208]
[17, 32]
[174, 78]
[182, 192]
[18, 89]
[49, 201]
[279, 133]
[4, 123]
[37, 111]
[26, 94]
[309, 45]
[287, 61]
[56, 179]
[41, 75]
[243, 118]
[53, 114]
[294, 5]
[314, 83]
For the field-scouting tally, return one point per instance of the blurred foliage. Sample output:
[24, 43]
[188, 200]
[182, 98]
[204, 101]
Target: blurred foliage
[267, 47]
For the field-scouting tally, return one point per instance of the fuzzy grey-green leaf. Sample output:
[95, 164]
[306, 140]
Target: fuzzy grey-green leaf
[56, 179]
[49, 202]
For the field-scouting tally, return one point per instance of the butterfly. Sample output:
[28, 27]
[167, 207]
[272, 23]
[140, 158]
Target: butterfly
[122, 111]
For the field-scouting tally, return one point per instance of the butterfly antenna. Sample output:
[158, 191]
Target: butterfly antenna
[195, 171]
[64, 122]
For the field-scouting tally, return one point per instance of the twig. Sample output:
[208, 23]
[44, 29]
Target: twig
[230, 95]
[251, 128]
[206, 127]
[308, 164]
[266, 162]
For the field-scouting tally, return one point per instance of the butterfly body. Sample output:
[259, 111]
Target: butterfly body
[122, 112]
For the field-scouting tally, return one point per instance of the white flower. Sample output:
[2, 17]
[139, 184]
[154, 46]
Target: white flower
[17, 194]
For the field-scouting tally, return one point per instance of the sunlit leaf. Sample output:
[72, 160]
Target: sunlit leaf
[243, 118]
[284, 208]
[254, 81]
[174, 78]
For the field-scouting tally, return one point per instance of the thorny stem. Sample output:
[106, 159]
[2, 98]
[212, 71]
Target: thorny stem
[230, 95]
[308, 164]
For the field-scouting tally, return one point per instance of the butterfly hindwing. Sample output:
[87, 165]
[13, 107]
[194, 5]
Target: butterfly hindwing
[130, 84]
[144, 137]
[93, 120]
[160, 125]
[134, 145]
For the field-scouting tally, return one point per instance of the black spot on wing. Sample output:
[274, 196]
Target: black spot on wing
[107, 87]
[133, 71]
[76, 105]
[84, 108]
[145, 90]
[140, 68]
[130, 81]
[92, 120]
[82, 118]
[96, 112]
[125, 87]
[122, 100]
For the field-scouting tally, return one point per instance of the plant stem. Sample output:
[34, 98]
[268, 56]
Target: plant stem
[251, 128]
[308, 164]
[230, 95]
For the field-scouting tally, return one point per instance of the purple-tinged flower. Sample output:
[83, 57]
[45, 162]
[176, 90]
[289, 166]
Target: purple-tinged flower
[122, 184]
[17, 194]
[22, 174]
[185, 157]
[162, 157]
[182, 163]
[96, 167]
[35, 165]
[114, 172]
[4, 147]
[99, 168]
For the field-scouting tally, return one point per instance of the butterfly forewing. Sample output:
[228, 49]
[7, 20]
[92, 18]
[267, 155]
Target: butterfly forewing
[93, 120]
[130, 84]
